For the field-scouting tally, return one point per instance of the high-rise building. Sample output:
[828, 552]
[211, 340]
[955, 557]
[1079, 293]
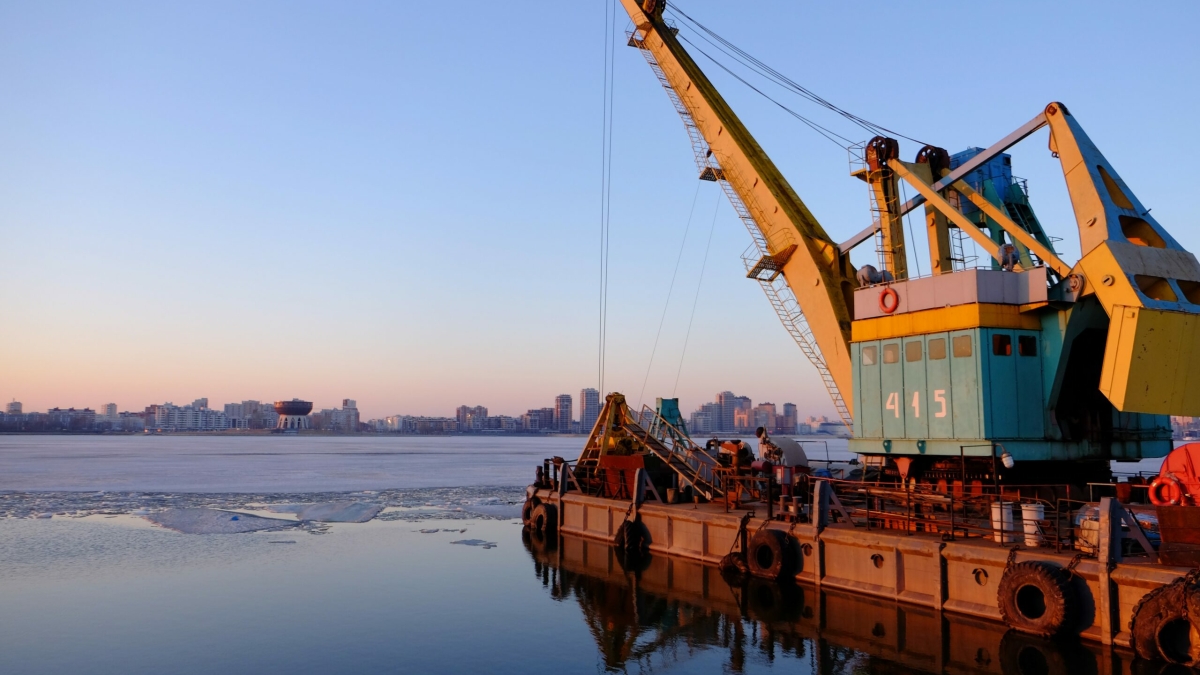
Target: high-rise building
[730, 406]
[341, 420]
[764, 416]
[350, 417]
[170, 417]
[789, 420]
[12, 408]
[200, 403]
[589, 409]
[706, 420]
[108, 411]
[471, 418]
[724, 421]
[562, 413]
[251, 415]
[538, 419]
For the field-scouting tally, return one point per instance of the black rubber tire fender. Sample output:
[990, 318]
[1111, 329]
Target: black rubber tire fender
[632, 538]
[1160, 625]
[733, 568]
[544, 518]
[1037, 598]
[527, 509]
[770, 555]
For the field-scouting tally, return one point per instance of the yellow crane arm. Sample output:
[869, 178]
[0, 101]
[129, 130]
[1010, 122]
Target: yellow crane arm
[817, 272]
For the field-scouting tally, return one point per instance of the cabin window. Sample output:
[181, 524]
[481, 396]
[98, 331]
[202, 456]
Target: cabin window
[912, 351]
[1027, 345]
[937, 349]
[962, 346]
[870, 355]
[1002, 345]
[891, 353]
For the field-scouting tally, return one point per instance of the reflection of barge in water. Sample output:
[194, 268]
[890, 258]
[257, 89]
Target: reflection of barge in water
[670, 606]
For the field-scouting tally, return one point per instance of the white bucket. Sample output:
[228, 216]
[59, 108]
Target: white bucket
[1030, 515]
[1002, 522]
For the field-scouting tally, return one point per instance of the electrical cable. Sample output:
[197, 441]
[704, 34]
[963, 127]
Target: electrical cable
[687, 336]
[670, 288]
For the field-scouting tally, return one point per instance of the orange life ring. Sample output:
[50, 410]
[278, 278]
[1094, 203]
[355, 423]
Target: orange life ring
[1166, 491]
[884, 305]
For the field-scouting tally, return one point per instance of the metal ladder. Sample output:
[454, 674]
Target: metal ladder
[778, 293]
[688, 460]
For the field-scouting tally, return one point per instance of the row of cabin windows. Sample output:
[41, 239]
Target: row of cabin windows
[960, 345]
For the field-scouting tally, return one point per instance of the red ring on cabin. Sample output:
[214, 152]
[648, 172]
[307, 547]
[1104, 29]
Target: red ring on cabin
[885, 306]
[1166, 491]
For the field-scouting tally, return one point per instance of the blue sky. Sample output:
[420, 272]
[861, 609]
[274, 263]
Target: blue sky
[399, 202]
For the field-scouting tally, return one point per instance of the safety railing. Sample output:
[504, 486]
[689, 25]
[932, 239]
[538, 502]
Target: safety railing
[690, 461]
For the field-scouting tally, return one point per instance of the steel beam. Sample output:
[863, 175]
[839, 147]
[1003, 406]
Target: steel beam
[970, 165]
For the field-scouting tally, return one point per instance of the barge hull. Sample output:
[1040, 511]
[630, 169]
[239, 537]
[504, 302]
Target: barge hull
[954, 576]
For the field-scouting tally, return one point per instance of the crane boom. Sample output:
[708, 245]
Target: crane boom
[816, 271]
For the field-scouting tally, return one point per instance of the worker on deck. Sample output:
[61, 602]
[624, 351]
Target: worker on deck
[784, 451]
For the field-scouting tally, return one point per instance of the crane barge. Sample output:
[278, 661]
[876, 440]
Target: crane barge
[977, 395]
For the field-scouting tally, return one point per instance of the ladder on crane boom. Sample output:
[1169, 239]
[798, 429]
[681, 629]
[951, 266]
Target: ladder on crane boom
[807, 279]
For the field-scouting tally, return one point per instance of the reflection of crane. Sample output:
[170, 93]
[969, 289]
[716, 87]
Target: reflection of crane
[1068, 365]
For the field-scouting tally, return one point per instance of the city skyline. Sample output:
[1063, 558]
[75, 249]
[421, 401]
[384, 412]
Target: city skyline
[729, 414]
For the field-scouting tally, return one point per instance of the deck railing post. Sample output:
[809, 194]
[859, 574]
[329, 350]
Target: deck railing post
[820, 518]
[951, 515]
[1109, 555]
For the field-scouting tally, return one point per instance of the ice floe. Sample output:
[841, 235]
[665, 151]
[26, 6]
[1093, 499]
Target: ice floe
[475, 542]
[408, 505]
[330, 512]
[215, 521]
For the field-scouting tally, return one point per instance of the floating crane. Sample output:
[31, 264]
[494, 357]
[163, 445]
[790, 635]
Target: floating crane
[1036, 371]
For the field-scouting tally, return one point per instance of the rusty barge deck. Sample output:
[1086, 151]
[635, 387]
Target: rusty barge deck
[959, 576]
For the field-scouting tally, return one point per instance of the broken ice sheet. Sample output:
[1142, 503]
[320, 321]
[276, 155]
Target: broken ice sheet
[214, 521]
[331, 512]
[475, 542]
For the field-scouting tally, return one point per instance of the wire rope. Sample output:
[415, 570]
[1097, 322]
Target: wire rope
[911, 232]
[687, 336]
[749, 61]
[823, 131]
[606, 182]
[670, 289]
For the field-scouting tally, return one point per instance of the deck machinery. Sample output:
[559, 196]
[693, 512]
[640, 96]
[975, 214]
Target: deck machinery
[1030, 371]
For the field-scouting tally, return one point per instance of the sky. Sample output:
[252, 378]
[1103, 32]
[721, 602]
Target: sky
[399, 203]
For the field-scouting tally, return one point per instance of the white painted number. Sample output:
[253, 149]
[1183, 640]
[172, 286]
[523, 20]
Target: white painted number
[916, 404]
[893, 403]
[939, 396]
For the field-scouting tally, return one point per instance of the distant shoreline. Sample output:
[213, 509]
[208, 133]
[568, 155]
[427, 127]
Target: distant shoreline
[271, 432]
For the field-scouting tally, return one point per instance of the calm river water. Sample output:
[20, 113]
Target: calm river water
[442, 581]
